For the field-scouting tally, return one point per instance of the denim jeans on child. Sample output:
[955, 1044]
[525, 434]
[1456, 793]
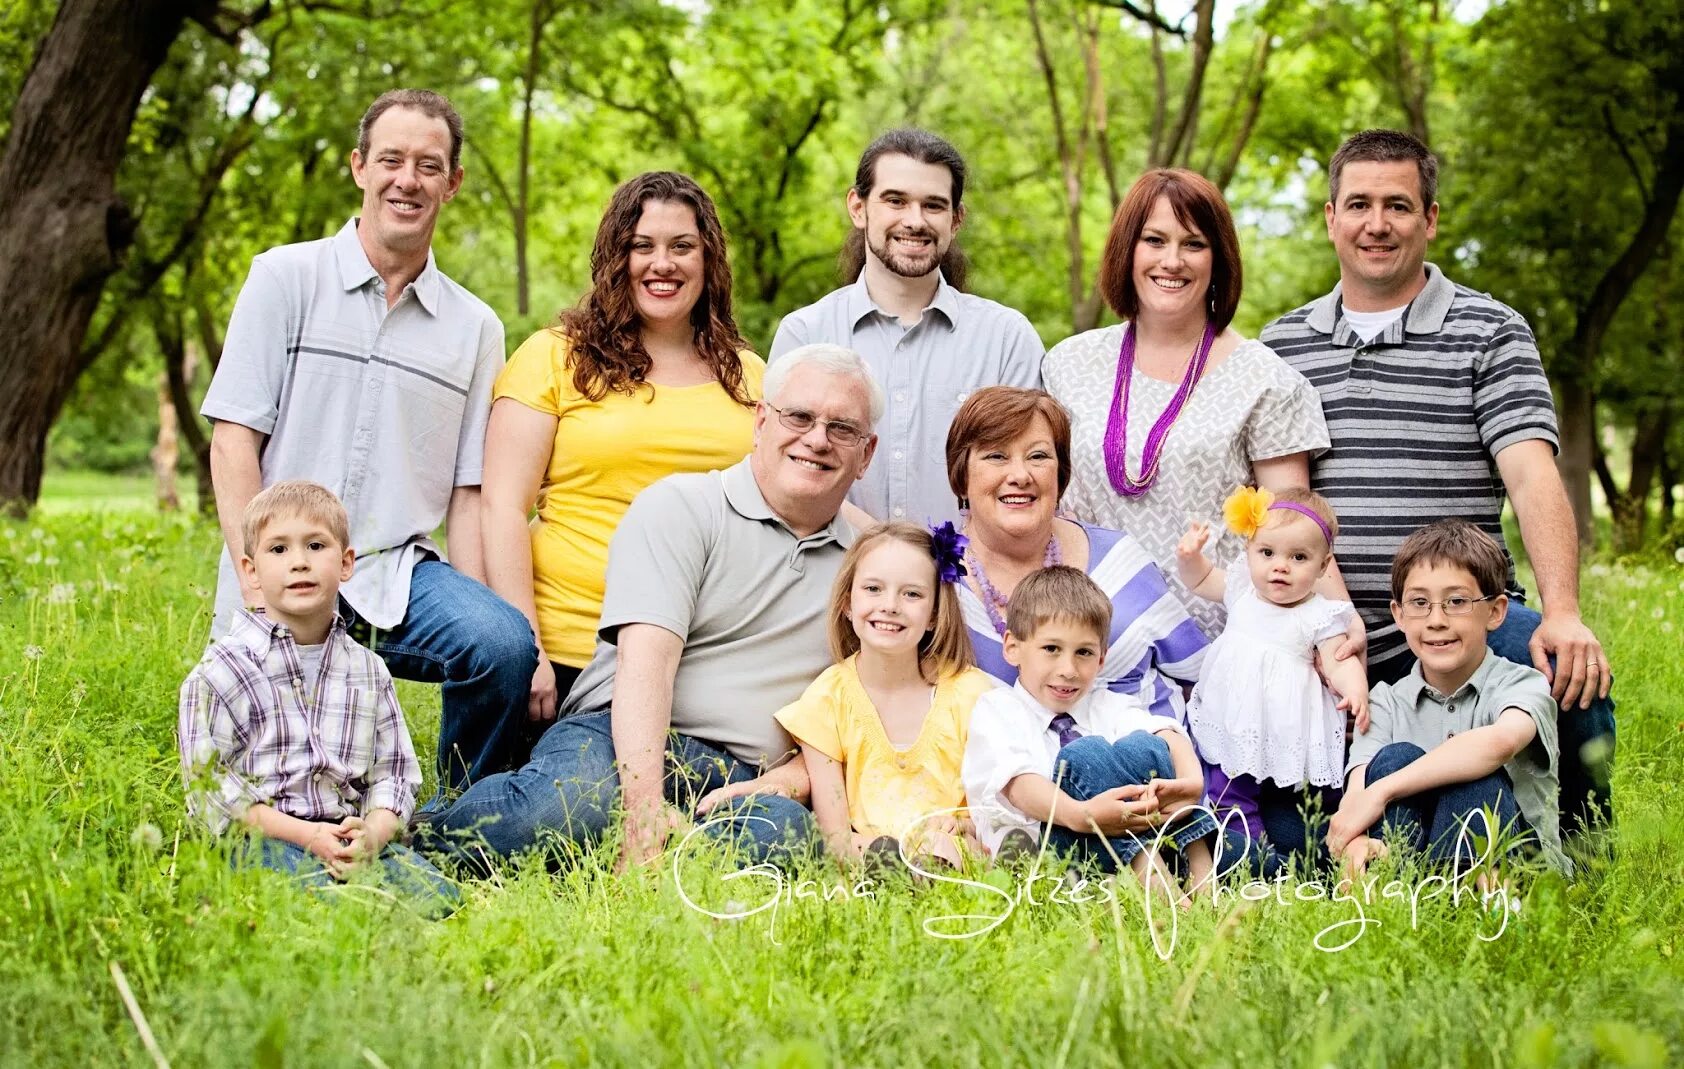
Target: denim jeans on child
[567, 794]
[1091, 766]
[411, 876]
[1433, 820]
[460, 634]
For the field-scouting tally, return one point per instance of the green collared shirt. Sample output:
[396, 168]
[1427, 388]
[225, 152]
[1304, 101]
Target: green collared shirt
[1412, 711]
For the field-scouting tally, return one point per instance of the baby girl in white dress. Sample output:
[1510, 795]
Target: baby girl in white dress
[1260, 710]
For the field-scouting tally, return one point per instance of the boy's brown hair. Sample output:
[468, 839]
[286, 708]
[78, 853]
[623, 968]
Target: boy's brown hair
[293, 497]
[1457, 543]
[945, 649]
[1058, 592]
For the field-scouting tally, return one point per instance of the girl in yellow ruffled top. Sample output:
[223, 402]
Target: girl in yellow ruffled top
[883, 730]
[1260, 710]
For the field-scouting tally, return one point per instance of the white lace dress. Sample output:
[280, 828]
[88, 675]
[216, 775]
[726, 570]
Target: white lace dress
[1260, 709]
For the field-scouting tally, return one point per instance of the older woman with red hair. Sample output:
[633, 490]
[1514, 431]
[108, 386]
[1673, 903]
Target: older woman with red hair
[1173, 408]
[1008, 460]
[647, 376]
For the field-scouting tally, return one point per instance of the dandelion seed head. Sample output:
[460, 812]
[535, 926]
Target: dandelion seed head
[1678, 554]
[51, 562]
[36, 534]
[33, 558]
[147, 836]
[1658, 613]
[34, 653]
[61, 593]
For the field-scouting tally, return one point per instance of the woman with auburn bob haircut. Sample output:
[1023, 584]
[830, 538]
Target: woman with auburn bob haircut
[1173, 408]
[645, 377]
[1008, 462]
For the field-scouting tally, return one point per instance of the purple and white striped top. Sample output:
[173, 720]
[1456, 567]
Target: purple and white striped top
[1154, 643]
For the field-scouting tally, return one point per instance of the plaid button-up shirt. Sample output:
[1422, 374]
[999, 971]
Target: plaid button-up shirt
[251, 735]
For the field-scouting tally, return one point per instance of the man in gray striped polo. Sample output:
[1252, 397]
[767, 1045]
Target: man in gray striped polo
[1437, 406]
[354, 362]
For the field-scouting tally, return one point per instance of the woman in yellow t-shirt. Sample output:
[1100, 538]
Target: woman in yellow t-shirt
[645, 377]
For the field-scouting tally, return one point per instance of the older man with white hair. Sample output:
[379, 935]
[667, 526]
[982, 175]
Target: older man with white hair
[713, 619]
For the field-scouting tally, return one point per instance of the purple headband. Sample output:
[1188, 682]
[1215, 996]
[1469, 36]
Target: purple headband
[1305, 510]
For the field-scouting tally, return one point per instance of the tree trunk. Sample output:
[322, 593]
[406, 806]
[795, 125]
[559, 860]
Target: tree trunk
[1577, 382]
[166, 450]
[62, 226]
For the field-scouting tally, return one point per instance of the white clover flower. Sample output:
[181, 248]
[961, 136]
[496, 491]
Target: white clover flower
[34, 653]
[61, 593]
[147, 836]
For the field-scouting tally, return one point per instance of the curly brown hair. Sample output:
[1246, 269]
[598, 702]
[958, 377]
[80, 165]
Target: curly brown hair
[604, 330]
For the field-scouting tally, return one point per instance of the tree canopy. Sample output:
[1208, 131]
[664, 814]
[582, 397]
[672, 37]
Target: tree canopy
[1559, 124]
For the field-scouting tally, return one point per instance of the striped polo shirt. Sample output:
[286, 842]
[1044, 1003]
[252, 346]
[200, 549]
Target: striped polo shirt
[1417, 417]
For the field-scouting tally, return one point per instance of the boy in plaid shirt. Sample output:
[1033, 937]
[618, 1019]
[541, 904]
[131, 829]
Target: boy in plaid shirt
[289, 727]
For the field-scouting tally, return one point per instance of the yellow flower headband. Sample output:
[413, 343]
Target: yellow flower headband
[1248, 507]
[1245, 510]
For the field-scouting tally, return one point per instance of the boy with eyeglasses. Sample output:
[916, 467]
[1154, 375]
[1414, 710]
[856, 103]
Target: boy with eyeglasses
[1466, 734]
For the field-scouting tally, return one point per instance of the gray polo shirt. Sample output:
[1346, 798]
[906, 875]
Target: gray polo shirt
[386, 409]
[960, 344]
[704, 556]
[1417, 415]
[1411, 711]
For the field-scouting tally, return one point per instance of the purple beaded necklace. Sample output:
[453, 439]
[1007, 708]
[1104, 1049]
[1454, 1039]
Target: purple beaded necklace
[1117, 428]
[994, 601]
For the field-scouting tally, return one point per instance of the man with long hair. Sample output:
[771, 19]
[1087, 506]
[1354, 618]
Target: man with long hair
[903, 308]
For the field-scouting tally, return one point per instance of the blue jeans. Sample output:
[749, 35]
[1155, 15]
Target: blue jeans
[567, 793]
[1586, 736]
[1277, 825]
[1091, 766]
[1432, 821]
[409, 874]
[458, 633]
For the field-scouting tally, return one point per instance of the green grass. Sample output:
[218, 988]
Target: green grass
[68, 492]
[101, 616]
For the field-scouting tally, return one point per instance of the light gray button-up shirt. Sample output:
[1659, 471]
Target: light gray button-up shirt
[1411, 711]
[385, 408]
[961, 344]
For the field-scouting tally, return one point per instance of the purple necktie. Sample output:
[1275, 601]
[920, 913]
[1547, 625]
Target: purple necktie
[1065, 725]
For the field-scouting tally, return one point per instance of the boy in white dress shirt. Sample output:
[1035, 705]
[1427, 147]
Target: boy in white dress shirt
[1095, 766]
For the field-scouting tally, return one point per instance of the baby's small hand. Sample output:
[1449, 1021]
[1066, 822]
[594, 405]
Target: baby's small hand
[1193, 542]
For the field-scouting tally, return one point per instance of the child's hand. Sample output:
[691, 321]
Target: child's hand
[1358, 704]
[328, 845]
[1193, 542]
[1359, 852]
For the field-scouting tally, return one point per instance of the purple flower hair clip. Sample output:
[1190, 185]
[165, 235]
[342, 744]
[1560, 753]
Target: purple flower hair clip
[947, 546]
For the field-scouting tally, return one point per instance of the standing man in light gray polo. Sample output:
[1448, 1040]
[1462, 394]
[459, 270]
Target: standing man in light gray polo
[1437, 406]
[353, 362]
[928, 343]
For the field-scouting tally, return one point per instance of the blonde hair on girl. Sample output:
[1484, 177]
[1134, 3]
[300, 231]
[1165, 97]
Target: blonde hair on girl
[945, 650]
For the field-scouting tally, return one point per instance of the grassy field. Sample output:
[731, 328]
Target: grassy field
[102, 886]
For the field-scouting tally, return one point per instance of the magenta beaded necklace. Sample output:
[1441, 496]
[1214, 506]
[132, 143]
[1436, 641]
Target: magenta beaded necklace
[992, 600]
[1117, 427]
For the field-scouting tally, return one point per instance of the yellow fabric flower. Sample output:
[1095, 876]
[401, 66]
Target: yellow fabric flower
[1246, 509]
